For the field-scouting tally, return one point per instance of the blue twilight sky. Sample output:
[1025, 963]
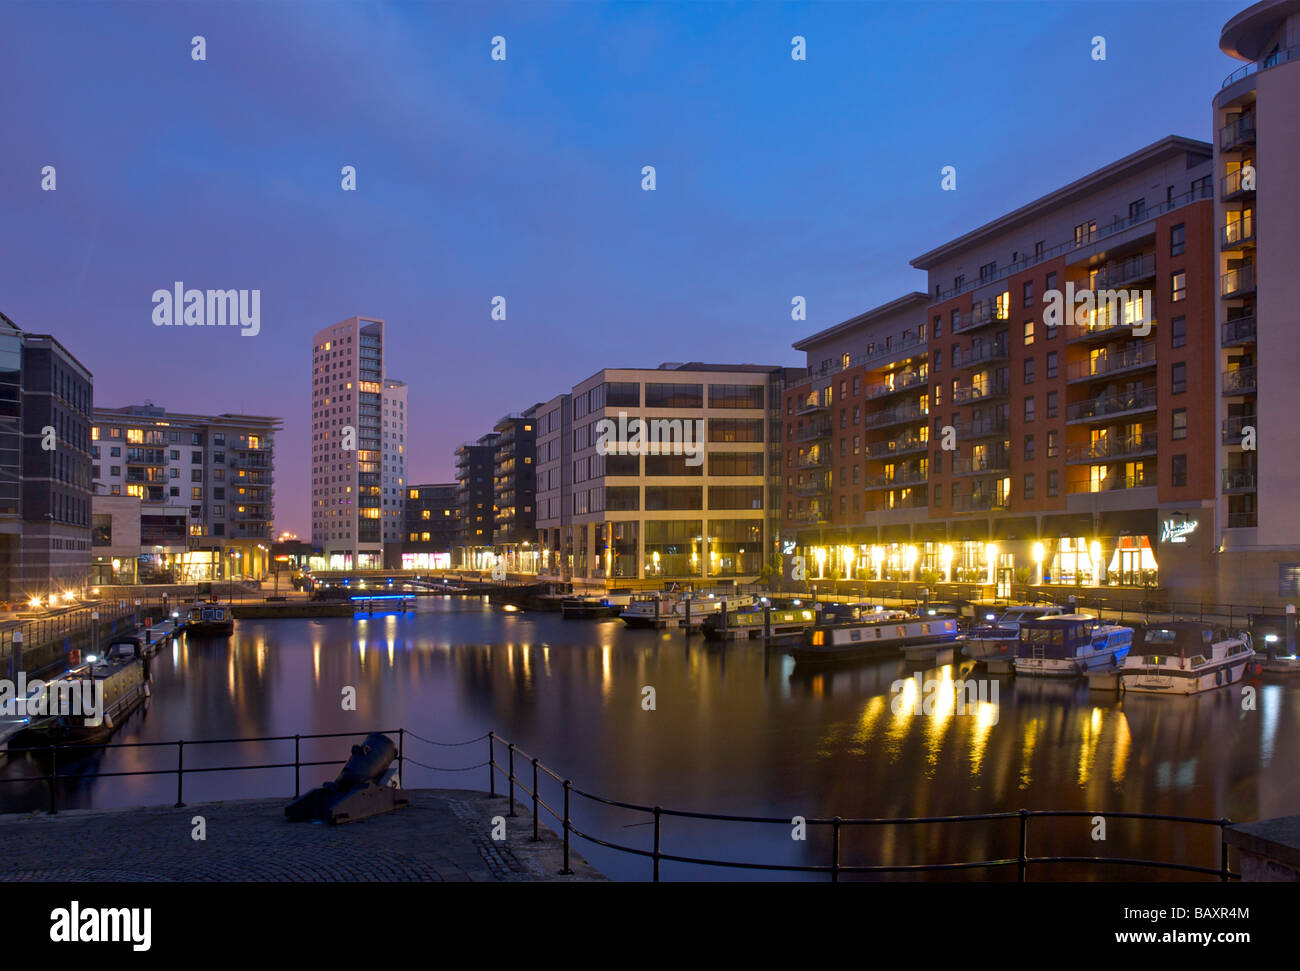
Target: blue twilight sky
[523, 178]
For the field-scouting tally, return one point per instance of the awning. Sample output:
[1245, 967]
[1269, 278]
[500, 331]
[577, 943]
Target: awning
[934, 532]
[896, 533]
[863, 535]
[969, 530]
[1136, 522]
[1067, 524]
[1015, 528]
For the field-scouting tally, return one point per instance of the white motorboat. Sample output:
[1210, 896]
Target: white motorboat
[999, 639]
[1184, 657]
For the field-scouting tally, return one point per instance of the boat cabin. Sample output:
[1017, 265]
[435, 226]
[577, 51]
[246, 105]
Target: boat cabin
[1176, 638]
[1058, 636]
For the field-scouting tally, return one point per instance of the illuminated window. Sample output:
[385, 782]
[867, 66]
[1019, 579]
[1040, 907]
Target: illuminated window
[135, 490]
[135, 436]
[1004, 305]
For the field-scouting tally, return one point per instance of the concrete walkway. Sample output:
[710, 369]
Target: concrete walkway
[444, 835]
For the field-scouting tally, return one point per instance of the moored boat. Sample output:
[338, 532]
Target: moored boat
[1184, 657]
[871, 634]
[999, 639]
[1069, 645]
[209, 617]
[665, 609]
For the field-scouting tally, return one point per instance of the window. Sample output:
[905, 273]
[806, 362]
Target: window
[1085, 232]
[196, 458]
[1051, 364]
[1051, 447]
[1029, 370]
[958, 281]
[1053, 482]
[1029, 485]
[1052, 397]
[938, 326]
[1027, 294]
[1179, 423]
[1179, 470]
[1177, 240]
[1029, 408]
[1137, 211]
[1178, 331]
[1029, 332]
[987, 271]
[938, 359]
[115, 451]
[1039, 248]
[1029, 448]
[1179, 374]
[1178, 286]
[937, 497]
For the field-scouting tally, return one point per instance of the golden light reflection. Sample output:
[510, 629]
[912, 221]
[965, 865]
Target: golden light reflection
[606, 676]
[1123, 739]
[1027, 753]
[315, 662]
[1091, 736]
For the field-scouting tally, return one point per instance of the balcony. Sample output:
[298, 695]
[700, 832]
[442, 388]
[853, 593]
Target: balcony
[982, 464]
[1237, 481]
[1234, 429]
[981, 354]
[810, 517]
[813, 432]
[1109, 406]
[1142, 267]
[1240, 281]
[1243, 520]
[1230, 187]
[899, 479]
[1238, 331]
[813, 460]
[896, 446]
[1236, 134]
[817, 487]
[811, 404]
[894, 416]
[981, 502]
[981, 317]
[1106, 325]
[1113, 482]
[983, 428]
[1111, 449]
[1239, 381]
[901, 382]
[988, 391]
[1113, 362]
[1239, 232]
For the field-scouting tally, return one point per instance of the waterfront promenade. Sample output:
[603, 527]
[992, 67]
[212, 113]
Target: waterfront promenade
[443, 836]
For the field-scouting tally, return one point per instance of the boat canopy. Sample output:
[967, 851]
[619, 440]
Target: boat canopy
[1174, 638]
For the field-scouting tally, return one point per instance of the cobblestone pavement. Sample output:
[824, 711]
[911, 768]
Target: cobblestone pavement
[444, 835]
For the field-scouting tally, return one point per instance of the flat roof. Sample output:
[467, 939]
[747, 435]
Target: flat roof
[1168, 147]
[915, 299]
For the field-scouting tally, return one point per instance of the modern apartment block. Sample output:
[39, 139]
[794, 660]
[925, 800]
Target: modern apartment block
[984, 428]
[348, 444]
[621, 511]
[475, 498]
[432, 526]
[205, 486]
[514, 492]
[1257, 171]
[393, 469]
[45, 481]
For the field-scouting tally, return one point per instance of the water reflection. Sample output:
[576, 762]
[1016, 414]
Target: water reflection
[735, 728]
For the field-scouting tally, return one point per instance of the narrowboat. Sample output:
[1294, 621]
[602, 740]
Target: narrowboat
[206, 617]
[751, 622]
[74, 711]
[999, 638]
[1069, 645]
[660, 610]
[588, 606]
[1184, 657]
[872, 634]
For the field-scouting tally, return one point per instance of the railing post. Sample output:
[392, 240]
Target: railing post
[658, 813]
[492, 766]
[566, 871]
[1024, 844]
[180, 773]
[536, 798]
[512, 779]
[54, 775]
[401, 745]
[835, 850]
[1223, 850]
[296, 773]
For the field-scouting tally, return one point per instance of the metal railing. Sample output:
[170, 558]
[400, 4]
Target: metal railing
[1239, 330]
[1234, 428]
[1239, 132]
[835, 865]
[1273, 60]
[1237, 231]
[1241, 380]
[1115, 404]
[1122, 359]
[1239, 280]
[1107, 449]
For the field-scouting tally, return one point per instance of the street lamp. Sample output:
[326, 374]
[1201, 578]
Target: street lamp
[1038, 562]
